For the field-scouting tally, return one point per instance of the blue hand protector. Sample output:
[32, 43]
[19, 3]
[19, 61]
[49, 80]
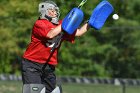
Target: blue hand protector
[100, 15]
[72, 21]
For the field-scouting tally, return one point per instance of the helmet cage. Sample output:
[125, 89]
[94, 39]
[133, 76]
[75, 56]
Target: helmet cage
[45, 6]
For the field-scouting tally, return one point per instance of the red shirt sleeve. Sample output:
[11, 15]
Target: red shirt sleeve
[40, 29]
[69, 38]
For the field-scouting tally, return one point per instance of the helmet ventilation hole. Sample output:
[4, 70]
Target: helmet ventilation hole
[42, 6]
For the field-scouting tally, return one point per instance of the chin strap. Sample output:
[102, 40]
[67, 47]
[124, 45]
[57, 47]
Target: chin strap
[53, 20]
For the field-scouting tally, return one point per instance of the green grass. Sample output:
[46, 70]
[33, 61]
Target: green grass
[16, 87]
[10, 87]
[90, 88]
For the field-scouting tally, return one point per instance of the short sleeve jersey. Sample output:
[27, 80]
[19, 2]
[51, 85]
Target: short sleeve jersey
[39, 48]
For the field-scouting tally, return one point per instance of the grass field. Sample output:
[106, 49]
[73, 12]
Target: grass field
[16, 87]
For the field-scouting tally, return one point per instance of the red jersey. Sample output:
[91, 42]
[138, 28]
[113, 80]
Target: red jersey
[39, 48]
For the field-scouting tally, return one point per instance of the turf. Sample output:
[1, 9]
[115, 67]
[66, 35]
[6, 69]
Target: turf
[16, 87]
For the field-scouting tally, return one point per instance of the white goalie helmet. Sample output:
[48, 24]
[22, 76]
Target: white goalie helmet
[43, 10]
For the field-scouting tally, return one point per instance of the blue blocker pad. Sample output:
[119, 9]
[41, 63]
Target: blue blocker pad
[100, 14]
[72, 21]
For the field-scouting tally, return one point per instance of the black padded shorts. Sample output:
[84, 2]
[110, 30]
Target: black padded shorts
[32, 73]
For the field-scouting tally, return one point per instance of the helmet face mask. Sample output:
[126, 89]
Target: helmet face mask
[54, 11]
[44, 14]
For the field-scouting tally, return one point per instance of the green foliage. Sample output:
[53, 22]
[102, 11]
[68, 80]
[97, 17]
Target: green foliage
[111, 52]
